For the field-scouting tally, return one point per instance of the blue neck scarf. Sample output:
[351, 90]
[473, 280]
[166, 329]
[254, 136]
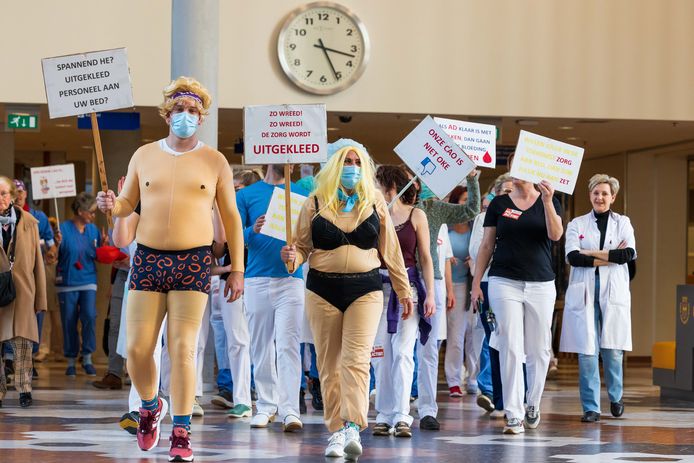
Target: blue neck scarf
[350, 201]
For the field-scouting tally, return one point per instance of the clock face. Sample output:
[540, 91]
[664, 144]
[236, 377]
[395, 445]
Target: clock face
[323, 47]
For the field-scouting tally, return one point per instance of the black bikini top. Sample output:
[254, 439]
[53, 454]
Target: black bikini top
[327, 236]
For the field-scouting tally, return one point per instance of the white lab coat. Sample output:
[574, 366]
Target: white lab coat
[578, 327]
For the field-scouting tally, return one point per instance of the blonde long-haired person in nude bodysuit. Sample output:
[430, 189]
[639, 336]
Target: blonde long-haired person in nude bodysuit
[176, 180]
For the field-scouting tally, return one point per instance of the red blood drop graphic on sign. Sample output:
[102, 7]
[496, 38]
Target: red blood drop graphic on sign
[487, 157]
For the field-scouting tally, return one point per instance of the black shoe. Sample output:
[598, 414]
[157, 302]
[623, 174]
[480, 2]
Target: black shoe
[617, 408]
[590, 417]
[429, 423]
[25, 399]
[317, 396]
[34, 373]
[381, 429]
[302, 402]
[130, 421]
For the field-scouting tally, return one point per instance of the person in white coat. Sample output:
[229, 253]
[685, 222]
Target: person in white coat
[597, 311]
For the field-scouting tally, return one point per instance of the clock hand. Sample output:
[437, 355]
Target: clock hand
[334, 51]
[325, 52]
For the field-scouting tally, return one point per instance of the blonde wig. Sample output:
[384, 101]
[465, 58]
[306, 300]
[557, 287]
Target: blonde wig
[185, 85]
[328, 180]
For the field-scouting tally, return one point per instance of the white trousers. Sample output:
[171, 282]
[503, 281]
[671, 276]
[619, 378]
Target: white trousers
[393, 362]
[134, 400]
[275, 309]
[428, 357]
[523, 312]
[464, 340]
[238, 342]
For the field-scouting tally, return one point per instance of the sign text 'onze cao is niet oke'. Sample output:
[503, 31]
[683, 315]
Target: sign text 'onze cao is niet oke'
[87, 82]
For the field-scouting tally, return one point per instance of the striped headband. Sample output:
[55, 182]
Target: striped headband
[188, 94]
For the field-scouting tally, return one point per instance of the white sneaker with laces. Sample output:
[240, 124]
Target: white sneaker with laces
[353, 448]
[532, 417]
[197, 409]
[336, 444]
[261, 420]
[292, 423]
[514, 426]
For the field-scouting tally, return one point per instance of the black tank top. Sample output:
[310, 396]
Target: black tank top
[327, 236]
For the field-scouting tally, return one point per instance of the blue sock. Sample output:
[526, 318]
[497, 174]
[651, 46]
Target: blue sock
[151, 405]
[71, 361]
[87, 359]
[182, 421]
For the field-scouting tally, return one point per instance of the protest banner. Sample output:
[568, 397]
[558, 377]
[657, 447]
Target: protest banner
[285, 134]
[540, 158]
[275, 217]
[88, 83]
[434, 158]
[53, 182]
[478, 141]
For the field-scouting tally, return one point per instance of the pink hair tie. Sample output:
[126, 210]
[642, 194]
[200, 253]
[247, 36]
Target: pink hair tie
[188, 94]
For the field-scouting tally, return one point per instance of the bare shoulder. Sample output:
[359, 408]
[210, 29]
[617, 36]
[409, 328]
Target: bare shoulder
[419, 218]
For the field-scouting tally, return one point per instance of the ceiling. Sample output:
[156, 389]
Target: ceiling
[380, 132]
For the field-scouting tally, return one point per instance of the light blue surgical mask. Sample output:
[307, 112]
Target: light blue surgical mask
[350, 176]
[184, 125]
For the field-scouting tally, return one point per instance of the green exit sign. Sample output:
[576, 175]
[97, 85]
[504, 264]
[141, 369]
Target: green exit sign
[23, 121]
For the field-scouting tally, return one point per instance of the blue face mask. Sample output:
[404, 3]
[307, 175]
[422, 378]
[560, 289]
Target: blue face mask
[350, 176]
[184, 125]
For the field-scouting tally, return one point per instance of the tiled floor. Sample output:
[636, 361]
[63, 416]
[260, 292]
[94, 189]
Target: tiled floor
[73, 422]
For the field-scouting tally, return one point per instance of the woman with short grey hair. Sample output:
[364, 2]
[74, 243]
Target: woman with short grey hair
[597, 311]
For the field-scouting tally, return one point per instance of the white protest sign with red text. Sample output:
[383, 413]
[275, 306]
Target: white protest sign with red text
[436, 159]
[53, 182]
[87, 83]
[285, 134]
[477, 140]
[540, 158]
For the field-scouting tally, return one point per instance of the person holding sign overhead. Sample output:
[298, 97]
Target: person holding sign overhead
[176, 180]
[597, 318]
[274, 300]
[439, 213]
[519, 229]
[342, 228]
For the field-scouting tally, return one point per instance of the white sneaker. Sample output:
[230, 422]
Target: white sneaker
[353, 447]
[336, 444]
[532, 417]
[514, 426]
[197, 409]
[292, 423]
[496, 414]
[261, 420]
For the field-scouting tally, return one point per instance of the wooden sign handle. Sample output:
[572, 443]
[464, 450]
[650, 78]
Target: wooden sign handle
[100, 162]
[288, 210]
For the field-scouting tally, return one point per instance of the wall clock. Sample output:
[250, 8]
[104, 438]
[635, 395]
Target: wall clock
[323, 47]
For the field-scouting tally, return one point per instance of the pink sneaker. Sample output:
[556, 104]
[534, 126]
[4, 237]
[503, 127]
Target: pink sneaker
[148, 431]
[180, 445]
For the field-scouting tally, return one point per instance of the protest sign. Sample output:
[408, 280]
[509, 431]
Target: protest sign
[87, 82]
[285, 134]
[434, 157]
[478, 141]
[540, 158]
[275, 217]
[53, 182]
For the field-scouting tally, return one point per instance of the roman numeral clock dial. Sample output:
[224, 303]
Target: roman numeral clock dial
[323, 48]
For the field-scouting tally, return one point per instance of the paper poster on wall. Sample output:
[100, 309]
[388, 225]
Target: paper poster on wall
[87, 82]
[540, 158]
[53, 182]
[477, 140]
[275, 218]
[436, 159]
[285, 134]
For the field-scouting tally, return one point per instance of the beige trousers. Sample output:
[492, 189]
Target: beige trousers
[145, 313]
[343, 349]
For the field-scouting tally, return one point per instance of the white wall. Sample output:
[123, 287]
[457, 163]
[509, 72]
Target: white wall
[626, 59]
